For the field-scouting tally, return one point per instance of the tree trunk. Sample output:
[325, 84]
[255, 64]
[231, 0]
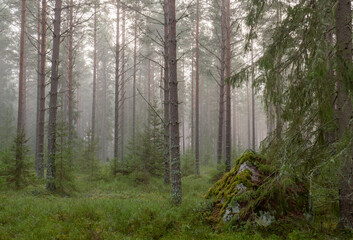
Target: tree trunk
[53, 98]
[94, 77]
[228, 142]
[134, 84]
[249, 113]
[197, 93]
[253, 97]
[117, 58]
[344, 102]
[221, 88]
[235, 120]
[174, 117]
[123, 86]
[104, 110]
[278, 89]
[71, 108]
[21, 86]
[192, 105]
[166, 96]
[183, 108]
[41, 90]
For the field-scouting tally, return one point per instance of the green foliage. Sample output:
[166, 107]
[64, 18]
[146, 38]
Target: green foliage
[216, 173]
[15, 164]
[64, 178]
[118, 210]
[145, 158]
[87, 161]
[187, 164]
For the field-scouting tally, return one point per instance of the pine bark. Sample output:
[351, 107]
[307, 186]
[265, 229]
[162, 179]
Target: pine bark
[174, 115]
[134, 84]
[53, 98]
[21, 85]
[228, 142]
[249, 114]
[278, 89]
[94, 93]
[192, 105]
[166, 96]
[197, 92]
[70, 68]
[123, 86]
[344, 102]
[221, 87]
[39, 162]
[253, 98]
[117, 65]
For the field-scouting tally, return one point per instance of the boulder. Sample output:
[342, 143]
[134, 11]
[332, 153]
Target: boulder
[255, 191]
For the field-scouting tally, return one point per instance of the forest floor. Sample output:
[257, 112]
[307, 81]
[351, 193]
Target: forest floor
[118, 209]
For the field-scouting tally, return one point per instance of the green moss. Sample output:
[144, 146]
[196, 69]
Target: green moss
[270, 193]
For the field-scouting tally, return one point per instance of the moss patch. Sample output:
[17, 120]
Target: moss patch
[255, 191]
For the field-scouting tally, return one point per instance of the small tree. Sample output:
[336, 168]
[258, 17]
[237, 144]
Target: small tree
[87, 160]
[15, 163]
[64, 180]
[145, 157]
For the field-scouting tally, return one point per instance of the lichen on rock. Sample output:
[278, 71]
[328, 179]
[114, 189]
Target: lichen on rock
[254, 190]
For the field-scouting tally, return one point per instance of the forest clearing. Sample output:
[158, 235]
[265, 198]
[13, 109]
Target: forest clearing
[176, 119]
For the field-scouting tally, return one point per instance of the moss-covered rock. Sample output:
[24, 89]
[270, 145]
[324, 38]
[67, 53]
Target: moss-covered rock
[254, 191]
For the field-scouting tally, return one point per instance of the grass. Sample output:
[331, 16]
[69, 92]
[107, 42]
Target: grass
[114, 209]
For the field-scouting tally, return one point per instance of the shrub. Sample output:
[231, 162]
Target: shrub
[187, 164]
[16, 165]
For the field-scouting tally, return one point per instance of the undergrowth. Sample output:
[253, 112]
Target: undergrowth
[118, 209]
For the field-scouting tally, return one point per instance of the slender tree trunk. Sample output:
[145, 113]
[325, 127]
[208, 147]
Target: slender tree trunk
[94, 77]
[344, 65]
[134, 84]
[197, 93]
[166, 96]
[228, 91]
[174, 116]
[221, 88]
[278, 89]
[249, 113]
[235, 120]
[104, 110]
[183, 107]
[253, 98]
[40, 132]
[71, 106]
[117, 58]
[192, 105]
[53, 98]
[148, 83]
[123, 86]
[21, 86]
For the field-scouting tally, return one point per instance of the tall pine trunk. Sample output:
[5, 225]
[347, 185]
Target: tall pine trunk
[134, 84]
[53, 98]
[123, 86]
[221, 87]
[94, 93]
[39, 162]
[344, 102]
[253, 98]
[21, 85]
[166, 96]
[228, 142]
[192, 105]
[197, 92]
[117, 60]
[71, 106]
[174, 115]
